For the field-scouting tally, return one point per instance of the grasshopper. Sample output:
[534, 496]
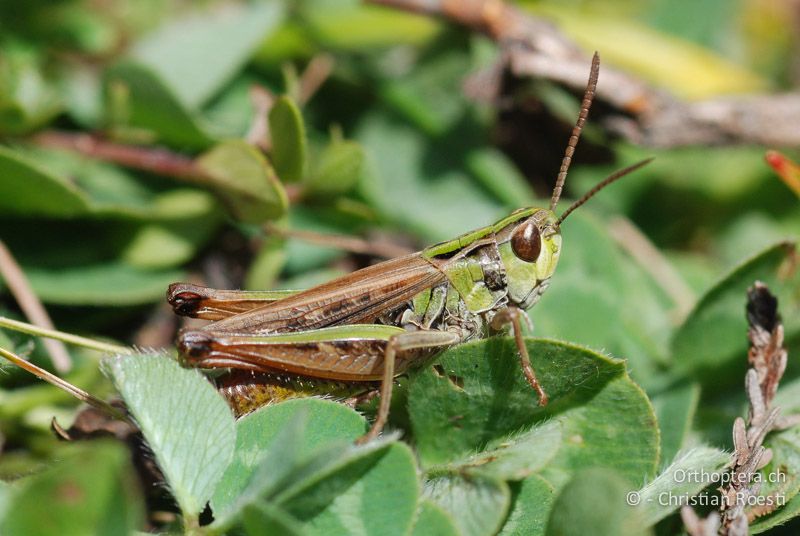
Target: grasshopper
[380, 321]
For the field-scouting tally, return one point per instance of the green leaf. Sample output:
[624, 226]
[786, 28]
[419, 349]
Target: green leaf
[481, 397]
[616, 429]
[352, 25]
[326, 424]
[302, 257]
[403, 170]
[163, 246]
[382, 501]
[495, 172]
[596, 280]
[433, 521]
[594, 502]
[83, 96]
[266, 518]
[186, 423]
[267, 264]
[92, 489]
[325, 483]
[338, 169]
[327, 477]
[197, 54]
[232, 112]
[675, 410]
[787, 512]
[5, 499]
[689, 473]
[264, 471]
[113, 284]
[245, 180]
[183, 205]
[28, 189]
[27, 99]
[288, 136]
[477, 504]
[530, 508]
[430, 95]
[517, 456]
[111, 192]
[140, 99]
[713, 336]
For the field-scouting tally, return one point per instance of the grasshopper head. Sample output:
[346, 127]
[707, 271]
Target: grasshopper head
[529, 242]
[529, 248]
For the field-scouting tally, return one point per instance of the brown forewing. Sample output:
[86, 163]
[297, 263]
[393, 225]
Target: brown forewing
[358, 297]
[196, 301]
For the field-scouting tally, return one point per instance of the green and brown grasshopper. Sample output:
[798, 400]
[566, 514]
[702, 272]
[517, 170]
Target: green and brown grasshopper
[376, 323]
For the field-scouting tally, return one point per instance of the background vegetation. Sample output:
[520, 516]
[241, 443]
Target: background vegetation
[227, 137]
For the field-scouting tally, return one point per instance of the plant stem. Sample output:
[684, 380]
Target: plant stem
[68, 338]
[352, 244]
[29, 303]
[158, 161]
[64, 385]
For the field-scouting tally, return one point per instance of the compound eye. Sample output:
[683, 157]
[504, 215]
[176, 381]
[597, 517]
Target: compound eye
[526, 242]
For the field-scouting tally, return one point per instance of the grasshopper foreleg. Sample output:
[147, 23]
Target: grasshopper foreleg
[512, 315]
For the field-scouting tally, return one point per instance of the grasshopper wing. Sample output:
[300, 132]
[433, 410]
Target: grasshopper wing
[356, 298]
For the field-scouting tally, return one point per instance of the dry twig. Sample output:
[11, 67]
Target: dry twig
[532, 47]
[315, 74]
[767, 358]
[157, 161]
[258, 133]
[64, 385]
[697, 526]
[34, 310]
[382, 249]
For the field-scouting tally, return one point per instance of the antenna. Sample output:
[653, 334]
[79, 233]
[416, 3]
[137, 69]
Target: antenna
[602, 184]
[588, 95]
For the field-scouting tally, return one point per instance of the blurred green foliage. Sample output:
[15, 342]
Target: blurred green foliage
[388, 148]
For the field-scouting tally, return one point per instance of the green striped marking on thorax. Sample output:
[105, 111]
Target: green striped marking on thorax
[455, 245]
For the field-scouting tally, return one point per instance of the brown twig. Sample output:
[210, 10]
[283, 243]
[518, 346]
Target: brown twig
[767, 358]
[32, 307]
[352, 244]
[316, 72]
[532, 47]
[697, 526]
[64, 385]
[258, 133]
[67, 338]
[157, 161]
[294, 192]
